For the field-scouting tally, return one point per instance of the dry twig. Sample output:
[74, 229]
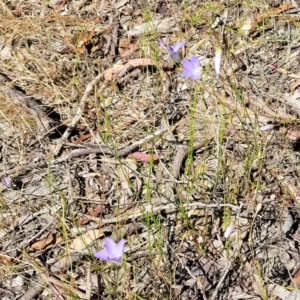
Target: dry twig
[149, 208]
[107, 150]
[79, 113]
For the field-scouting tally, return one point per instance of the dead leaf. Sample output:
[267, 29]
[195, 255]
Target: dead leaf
[83, 221]
[82, 39]
[142, 62]
[5, 259]
[124, 43]
[60, 6]
[296, 279]
[295, 85]
[274, 12]
[127, 48]
[82, 138]
[111, 73]
[43, 243]
[84, 240]
[144, 157]
[120, 70]
[97, 211]
[293, 135]
[94, 19]
[249, 26]
[18, 11]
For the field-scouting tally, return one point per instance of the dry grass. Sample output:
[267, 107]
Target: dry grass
[58, 211]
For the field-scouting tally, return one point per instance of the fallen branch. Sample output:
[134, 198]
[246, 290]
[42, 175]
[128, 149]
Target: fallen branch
[103, 149]
[149, 208]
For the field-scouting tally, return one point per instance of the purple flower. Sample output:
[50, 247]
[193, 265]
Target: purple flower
[113, 253]
[218, 59]
[174, 51]
[6, 182]
[192, 68]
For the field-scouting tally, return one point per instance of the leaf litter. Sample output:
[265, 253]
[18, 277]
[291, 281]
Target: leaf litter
[102, 138]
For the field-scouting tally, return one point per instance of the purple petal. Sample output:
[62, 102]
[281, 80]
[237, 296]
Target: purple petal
[187, 73]
[197, 75]
[113, 253]
[187, 65]
[195, 62]
[171, 49]
[102, 255]
[175, 56]
[174, 51]
[179, 45]
[120, 247]
[111, 247]
[117, 260]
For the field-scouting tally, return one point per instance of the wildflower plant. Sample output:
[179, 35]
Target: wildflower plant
[174, 51]
[192, 68]
[113, 253]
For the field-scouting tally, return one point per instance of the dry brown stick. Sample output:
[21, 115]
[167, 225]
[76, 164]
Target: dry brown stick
[149, 208]
[114, 43]
[25, 243]
[108, 39]
[182, 152]
[79, 113]
[103, 149]
[221, 280]
[126, 69]
[88, 291]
